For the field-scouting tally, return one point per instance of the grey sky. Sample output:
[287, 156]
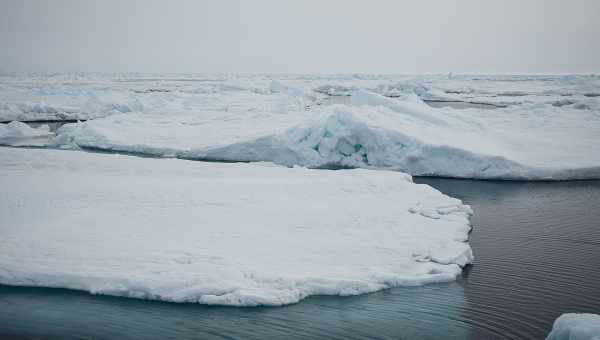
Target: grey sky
[301, 36]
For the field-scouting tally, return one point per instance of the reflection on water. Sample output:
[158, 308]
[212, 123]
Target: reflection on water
[536, 247]
[413, 312]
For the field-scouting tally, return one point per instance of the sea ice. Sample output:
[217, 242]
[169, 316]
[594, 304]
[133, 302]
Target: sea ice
[369, 131]
[218, 233]
[20, 134]
[546, 129]
[573, 326]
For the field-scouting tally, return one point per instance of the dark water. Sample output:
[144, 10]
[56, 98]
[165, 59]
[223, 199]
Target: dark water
[52, 124]
[537, 248]
[461, 105]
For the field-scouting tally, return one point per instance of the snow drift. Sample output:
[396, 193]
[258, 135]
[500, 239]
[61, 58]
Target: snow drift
[217, 233]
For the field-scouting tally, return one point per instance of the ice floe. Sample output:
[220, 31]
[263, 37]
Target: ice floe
[216, 233]
[573, 326]
[370, 131]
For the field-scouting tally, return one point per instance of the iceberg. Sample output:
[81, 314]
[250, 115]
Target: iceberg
[220, 233]
[574, 326]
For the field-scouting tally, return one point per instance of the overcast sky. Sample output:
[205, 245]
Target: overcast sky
[303, 36]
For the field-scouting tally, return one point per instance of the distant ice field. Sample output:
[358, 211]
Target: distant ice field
[506, 127]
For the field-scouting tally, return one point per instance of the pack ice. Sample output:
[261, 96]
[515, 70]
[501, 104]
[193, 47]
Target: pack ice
[220, 233]
[543, 127]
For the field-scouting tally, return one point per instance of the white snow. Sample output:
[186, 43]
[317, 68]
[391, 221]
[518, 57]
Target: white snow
[369, 131]
[573, 326]
[20, 134]
[548, 130]
[217, 233]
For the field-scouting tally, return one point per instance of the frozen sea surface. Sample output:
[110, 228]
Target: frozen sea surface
[215, 233]
[541, 127]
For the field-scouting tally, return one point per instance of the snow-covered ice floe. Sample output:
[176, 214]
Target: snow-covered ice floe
[369, 131]
[220, 233]
[573, 326]
[547, 129]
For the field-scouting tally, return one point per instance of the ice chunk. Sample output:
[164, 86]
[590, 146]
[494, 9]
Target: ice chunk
[573, 326]
[217, 233]
[20, 134]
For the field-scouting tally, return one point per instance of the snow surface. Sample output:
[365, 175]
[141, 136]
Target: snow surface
[548, 130]
[218, 233]
[573, 326]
